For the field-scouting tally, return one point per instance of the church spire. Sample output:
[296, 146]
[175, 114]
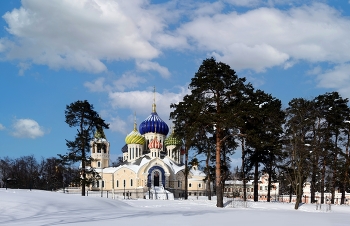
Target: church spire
[154, 100]
[135, 126]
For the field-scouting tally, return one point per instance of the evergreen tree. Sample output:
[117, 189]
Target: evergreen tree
[216, 95]
[298, 126]
[81, 114]
[263, 128]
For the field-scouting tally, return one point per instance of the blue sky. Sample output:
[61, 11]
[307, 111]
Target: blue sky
[113, 52]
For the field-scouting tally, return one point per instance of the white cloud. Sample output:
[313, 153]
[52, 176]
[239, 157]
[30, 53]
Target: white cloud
[2, 127]
[265, 37]
[97, 85]
[246, 3]
[81, 34]
[148, 65]
[338, 78]
[27, 128]
[141, 101]
[126, 81]
[116, 124]
[23, 67]
[315, 71]
[270, 3]
[84, 34]
[129, 81]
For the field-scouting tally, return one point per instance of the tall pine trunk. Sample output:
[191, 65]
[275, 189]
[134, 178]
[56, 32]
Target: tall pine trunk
[345, 182]
[323, 176]
[299, 191]
[219, 187]
[83, 158]
[243, 171]
[186, 172]
[256, 181]
[208, 173]
[334, 169]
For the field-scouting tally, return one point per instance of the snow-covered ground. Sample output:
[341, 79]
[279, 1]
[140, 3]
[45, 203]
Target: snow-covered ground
[28, 208]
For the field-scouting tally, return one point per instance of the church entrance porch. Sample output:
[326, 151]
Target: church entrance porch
[156, 177]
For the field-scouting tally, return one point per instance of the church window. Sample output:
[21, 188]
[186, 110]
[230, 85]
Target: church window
[189, 185]
[117, 183]
[131, 182]
[178, 183]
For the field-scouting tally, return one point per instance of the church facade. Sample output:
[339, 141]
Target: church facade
[152, 164]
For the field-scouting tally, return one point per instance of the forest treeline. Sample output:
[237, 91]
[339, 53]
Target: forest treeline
[29, 173]
[307, 141]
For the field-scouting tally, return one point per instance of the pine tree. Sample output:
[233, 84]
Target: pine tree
[216, 94]
[81, 114]
[298, 165]
[262, 130]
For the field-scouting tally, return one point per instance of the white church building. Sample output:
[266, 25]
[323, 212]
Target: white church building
[152, 164]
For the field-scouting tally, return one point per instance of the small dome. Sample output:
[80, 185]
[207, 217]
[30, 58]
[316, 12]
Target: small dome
[135, 137]
[155, 144]
[171, 140]
[125, 148]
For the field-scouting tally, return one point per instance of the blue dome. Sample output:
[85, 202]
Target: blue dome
[154, 124]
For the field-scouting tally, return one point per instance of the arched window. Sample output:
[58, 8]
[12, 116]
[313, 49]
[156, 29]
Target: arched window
[98, 164]
[103, 184]
[189, 185]
[199, 185]
[131, 182]
[117, 183]
[178, 183]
